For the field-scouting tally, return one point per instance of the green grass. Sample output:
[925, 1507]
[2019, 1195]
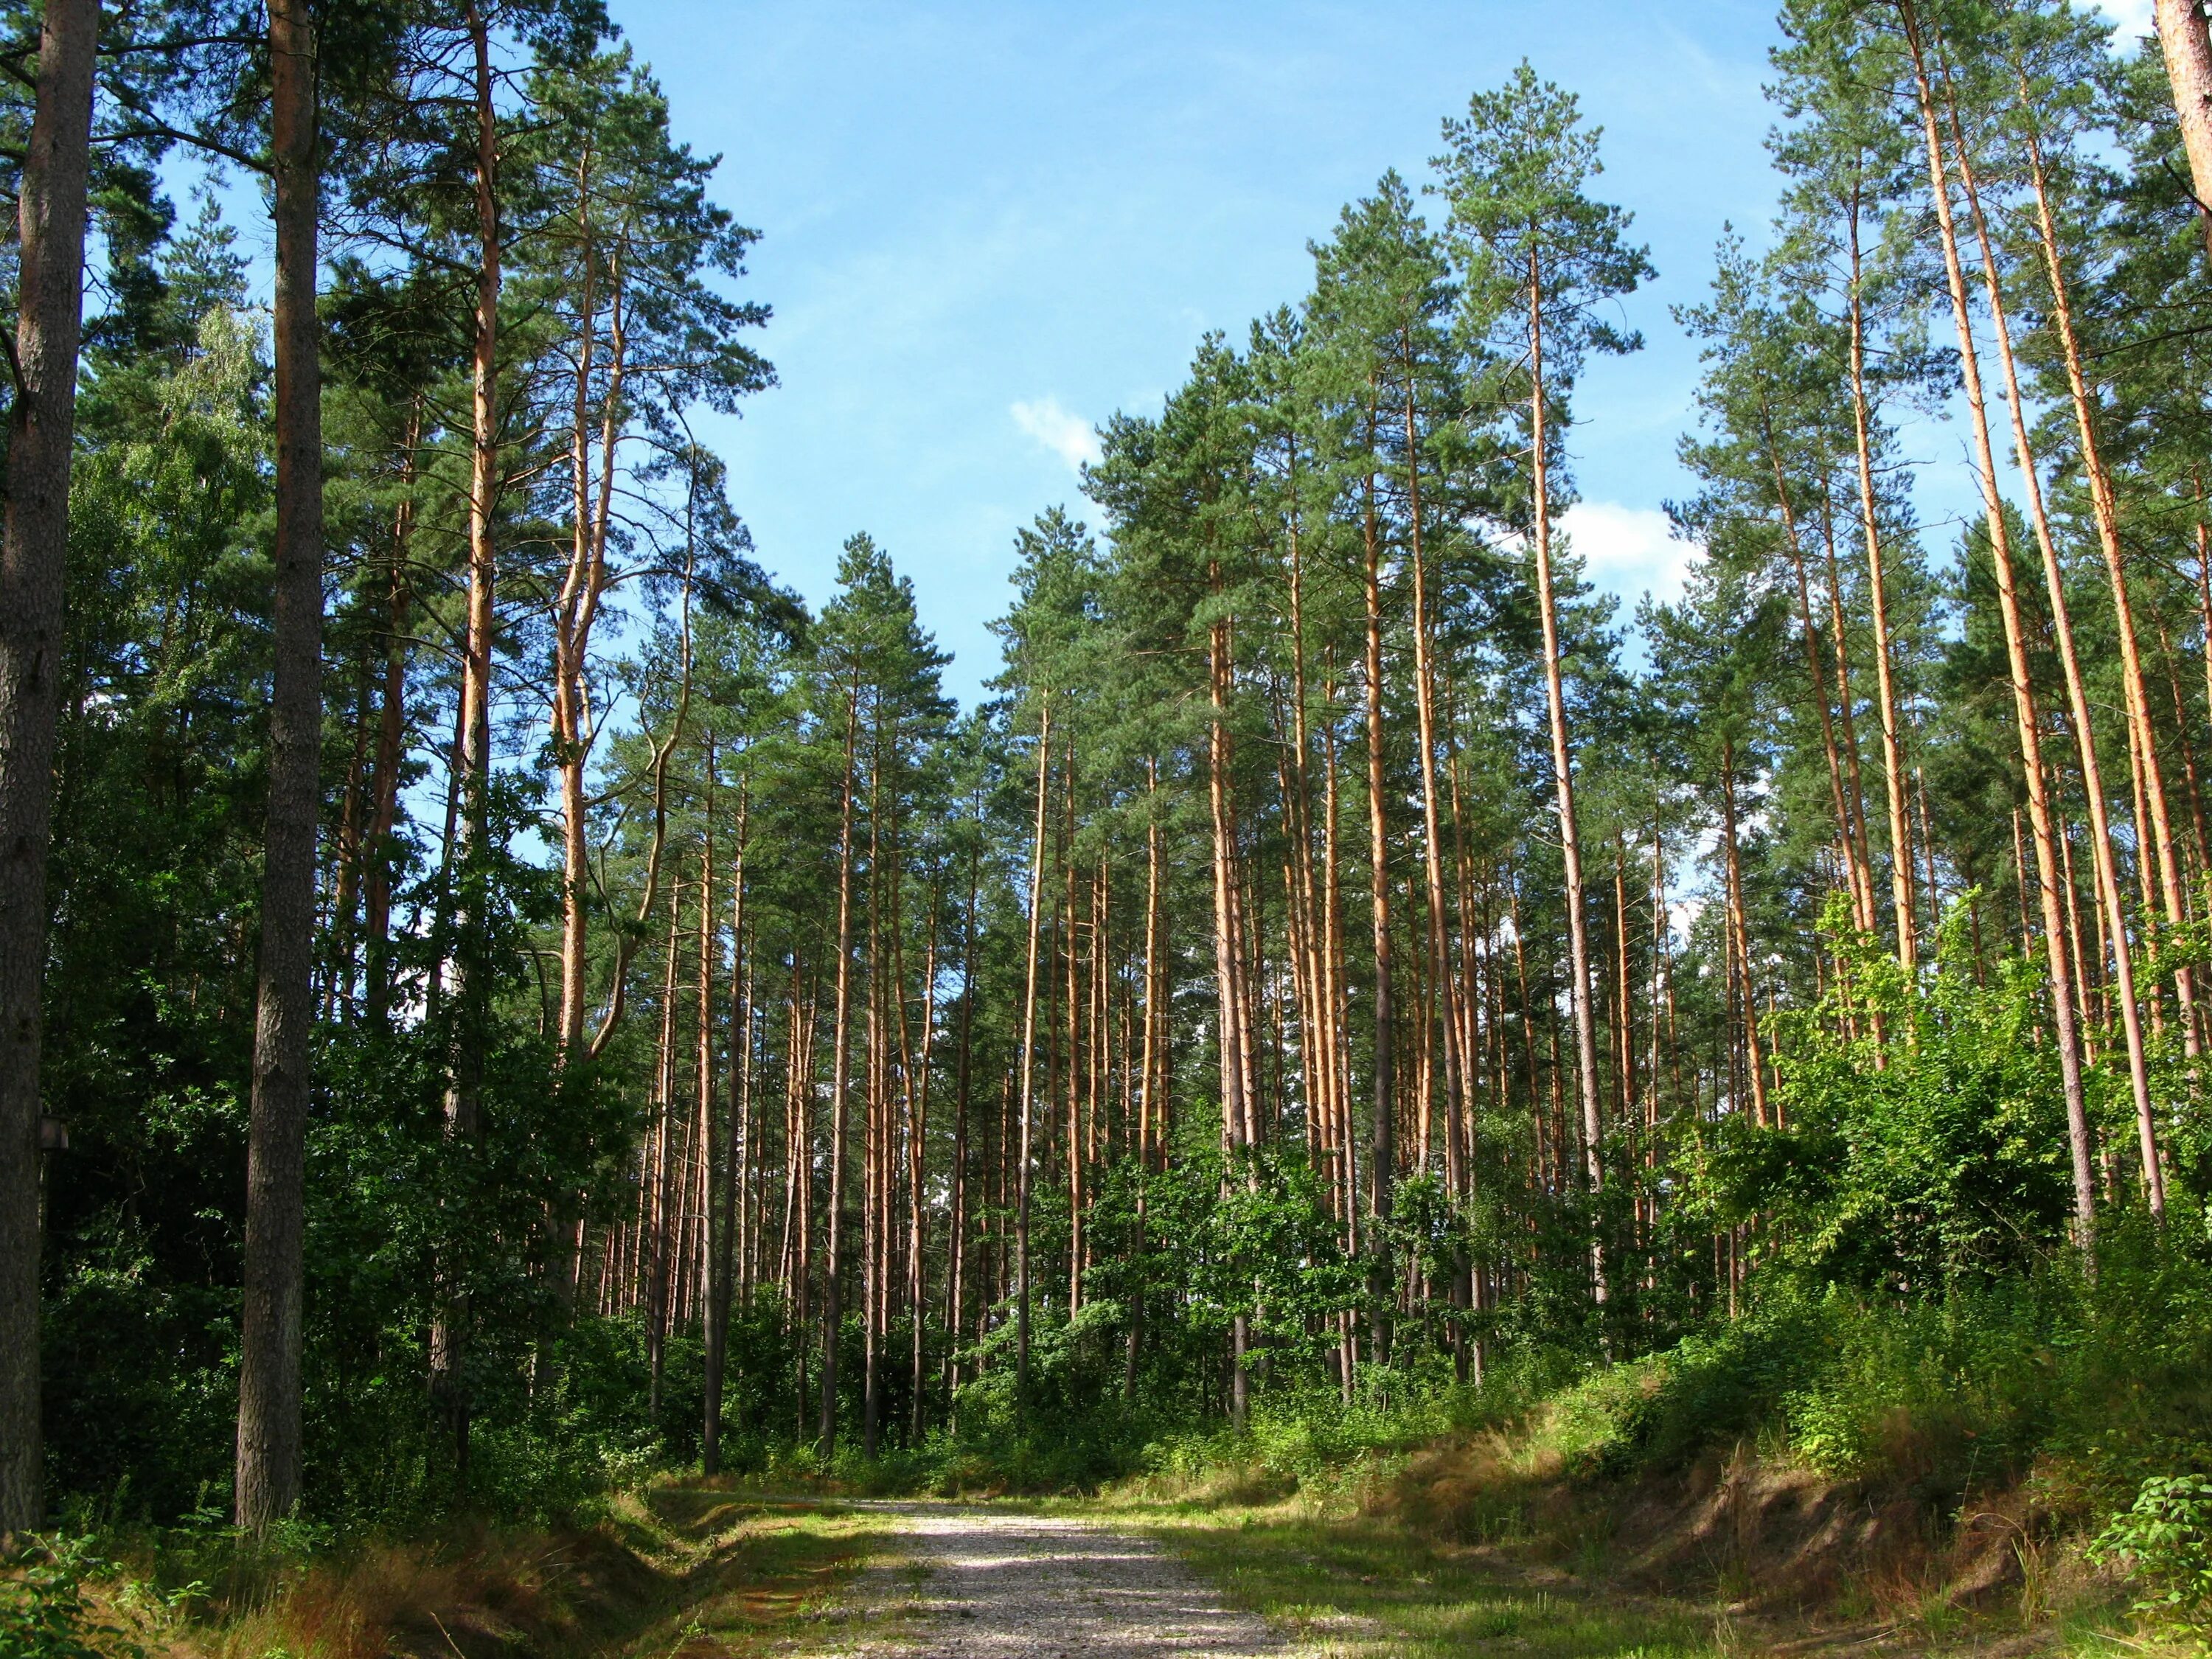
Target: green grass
[1360, 1588]
[755, 1575]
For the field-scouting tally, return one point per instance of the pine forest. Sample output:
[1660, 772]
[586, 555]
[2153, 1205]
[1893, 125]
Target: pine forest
[502, 1002]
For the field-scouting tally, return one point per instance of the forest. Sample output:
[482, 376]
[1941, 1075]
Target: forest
[502, 998]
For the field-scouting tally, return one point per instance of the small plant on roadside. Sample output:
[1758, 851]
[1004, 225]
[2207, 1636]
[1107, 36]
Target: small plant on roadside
[2164, 1540]
[44, 1614]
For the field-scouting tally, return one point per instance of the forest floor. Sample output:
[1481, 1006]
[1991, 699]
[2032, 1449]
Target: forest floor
[920, 1580]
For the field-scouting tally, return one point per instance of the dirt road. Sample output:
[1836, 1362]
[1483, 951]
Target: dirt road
[980, 1585]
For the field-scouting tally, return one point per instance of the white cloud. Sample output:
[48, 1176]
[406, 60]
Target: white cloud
[1628, 551]
[2132, 19]
[1068, 436]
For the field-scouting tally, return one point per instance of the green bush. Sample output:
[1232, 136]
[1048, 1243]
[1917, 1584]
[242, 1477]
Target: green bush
[2165, 1540]
[43, 1613]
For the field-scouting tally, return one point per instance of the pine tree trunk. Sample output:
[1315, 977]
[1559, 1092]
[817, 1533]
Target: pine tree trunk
[390, 740]
[726, 1215]
[269, 1407]
[1740, 934]
[1236, 1107]
[1563, 775]
[2142, 737]
[1893, 749]
[660, 1248]
[1382, 1157]
[1029, 1069]
[1431, 823]
[2028, 722]
[840, 1103]
[917, 1144]
[1846, 716]
[875, 1126]
[2114, 906]
[1860, 879]
[2187, 49]
[33, 552]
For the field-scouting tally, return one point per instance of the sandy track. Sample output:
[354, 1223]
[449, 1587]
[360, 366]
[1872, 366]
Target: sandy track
[996, 1584]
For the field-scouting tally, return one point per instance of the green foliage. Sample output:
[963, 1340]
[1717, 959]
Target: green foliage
[2165, 1538]
[1932, 1154]
[43, 1611]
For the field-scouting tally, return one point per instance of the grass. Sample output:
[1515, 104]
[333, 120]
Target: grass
[761, 1576]
[1355, 1584]
[682, 1570]
[1361, 1587]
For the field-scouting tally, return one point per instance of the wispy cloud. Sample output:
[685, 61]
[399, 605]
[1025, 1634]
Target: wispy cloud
[1068, 436]
[2132, 17]
[1628, 551]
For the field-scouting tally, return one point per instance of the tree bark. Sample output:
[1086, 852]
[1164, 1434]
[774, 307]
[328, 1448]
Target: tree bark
[2104, 506]
[269, 1445]
[728, 1213]
[33, 554]
[1563, 773]
[1029, 1069]
[2048, 852]
[391, 741]
[2114, 906]
[2184, 44]
[839, 1106]
[1382, 1157]
[1893, 749]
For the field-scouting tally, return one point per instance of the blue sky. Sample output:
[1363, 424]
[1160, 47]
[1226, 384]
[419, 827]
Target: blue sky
[987, 226]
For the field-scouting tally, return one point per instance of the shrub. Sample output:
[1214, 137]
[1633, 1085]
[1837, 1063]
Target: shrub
[2165, 1540]
[43, 1611]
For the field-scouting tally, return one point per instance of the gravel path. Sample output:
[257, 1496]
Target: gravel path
[992, 1584]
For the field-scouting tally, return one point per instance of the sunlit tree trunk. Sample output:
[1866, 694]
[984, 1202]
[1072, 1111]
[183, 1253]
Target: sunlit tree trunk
[2027, 719]
[1236, 1080]
[1739, 933]
[1564, 780]
[734, 1148]
[840, 1090]
[1892, 748]
[1029, 1066]
[2103, 864]
[1859, 878]
[664, 1189]
[2187, 50]
[1382, 1157]
[2105, 507]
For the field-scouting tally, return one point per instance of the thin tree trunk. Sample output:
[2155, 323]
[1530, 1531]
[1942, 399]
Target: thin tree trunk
[1431, 824]
[917, 1144]
[1739, 933]
[1563, 774]
[390, 739]
[268, 1407]
[664, 1188]
[2104, 507]
[1381, 1158]
[727, 1214]
[2047, 852]
[1029, 1068]
[1860, 879]
[33, 552]
[840, 1105]
[1892, 750]
[2114, 910]
[1236, 1080]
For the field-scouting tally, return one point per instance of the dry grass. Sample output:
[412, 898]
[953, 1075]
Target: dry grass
[681, 1571]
